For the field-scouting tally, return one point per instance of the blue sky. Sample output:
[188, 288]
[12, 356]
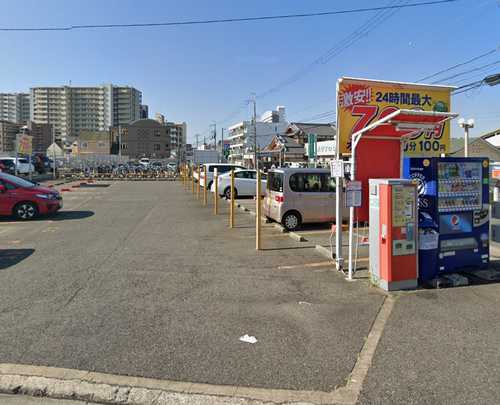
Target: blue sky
[199, 74]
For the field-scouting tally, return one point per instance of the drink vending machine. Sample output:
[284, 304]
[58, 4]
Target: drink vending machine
[453, 197]
[393, 233]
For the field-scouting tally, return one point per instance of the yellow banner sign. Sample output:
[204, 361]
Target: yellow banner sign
[361, 102]
[24, 144]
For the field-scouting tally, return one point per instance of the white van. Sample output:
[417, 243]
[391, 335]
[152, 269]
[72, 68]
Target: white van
[296, 196]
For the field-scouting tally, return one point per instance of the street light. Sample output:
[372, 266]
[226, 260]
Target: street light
[466, 125]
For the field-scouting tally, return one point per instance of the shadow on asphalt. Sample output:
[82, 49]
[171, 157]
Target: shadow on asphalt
[288, 248]
[10, 257]
[70, 215]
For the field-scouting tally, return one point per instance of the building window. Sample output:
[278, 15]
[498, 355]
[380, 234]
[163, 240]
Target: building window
[157, 147]
[85, 145]
[157, 132]
[124, 146]
[101, 144]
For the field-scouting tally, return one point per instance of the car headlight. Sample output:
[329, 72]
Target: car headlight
[46, 196]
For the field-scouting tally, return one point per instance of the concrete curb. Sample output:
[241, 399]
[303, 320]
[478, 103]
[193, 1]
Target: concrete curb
[102, 388]
[323, 251]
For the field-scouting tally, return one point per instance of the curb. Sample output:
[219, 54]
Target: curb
[323, 251]
[60, 383]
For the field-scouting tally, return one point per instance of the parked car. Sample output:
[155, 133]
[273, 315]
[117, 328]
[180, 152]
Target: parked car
[221, 169]
[25, 199]
[7, 166]
[23, 164]
[145, 162]
[245, 183]
[297, 195]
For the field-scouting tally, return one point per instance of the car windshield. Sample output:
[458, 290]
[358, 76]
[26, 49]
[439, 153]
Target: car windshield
[17, 180]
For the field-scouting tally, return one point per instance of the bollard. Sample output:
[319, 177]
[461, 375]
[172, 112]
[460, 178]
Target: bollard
[198, 190]
[258, 207]
[205, 185]
[192, 180]
[231, 206]
[216, 192]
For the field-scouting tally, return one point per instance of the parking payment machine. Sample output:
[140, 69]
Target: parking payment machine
[393, 234]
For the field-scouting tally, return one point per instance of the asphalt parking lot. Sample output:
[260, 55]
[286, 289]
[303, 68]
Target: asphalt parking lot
[138, 279]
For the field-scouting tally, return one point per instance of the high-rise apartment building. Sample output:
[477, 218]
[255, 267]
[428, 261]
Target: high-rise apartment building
[15, 107]
[74, 109]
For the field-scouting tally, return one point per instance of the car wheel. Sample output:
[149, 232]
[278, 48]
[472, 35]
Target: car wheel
[291, 221]
[227, 193]
[25, 211]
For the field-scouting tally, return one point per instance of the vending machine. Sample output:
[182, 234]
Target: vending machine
[393, 233]
[454, 204]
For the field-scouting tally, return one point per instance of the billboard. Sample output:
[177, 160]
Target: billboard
[24, 144]
[361, 102]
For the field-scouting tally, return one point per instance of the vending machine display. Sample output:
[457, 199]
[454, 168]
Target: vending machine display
[454, 196]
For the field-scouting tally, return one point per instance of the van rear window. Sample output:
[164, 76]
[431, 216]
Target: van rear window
[275, 181]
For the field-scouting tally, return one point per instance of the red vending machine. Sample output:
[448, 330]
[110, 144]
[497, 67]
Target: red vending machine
[393, 234]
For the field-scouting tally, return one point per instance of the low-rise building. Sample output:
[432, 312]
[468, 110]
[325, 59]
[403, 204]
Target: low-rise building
[8, 132]
[92, 143]
[301, 130]
[487, 145]
[143, 138]
[245, 134]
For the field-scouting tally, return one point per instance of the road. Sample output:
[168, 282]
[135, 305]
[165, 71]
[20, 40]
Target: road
[138, 279]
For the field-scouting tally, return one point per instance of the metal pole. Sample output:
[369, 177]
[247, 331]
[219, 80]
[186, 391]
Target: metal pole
[199, 183]
[256, 162]
[231, 206]
[351, 211]
[466, 141]
[205, 184]
[222, 144]
[192, 179]
[258, 214]
[216, 192]
[54, 151]
[31, 173]
[17, 158]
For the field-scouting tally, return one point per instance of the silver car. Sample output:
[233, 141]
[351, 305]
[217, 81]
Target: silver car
[296, 196]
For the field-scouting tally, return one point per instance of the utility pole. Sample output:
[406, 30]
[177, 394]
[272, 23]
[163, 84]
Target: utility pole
[54, 151]
[466, 125]
[197, 136]
[254, 120]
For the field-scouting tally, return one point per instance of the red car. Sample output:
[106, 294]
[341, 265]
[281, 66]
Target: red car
[26, 200]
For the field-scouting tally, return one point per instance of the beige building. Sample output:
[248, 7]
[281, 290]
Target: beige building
[92, 142]
[15, 107]
[144, 138]
[178, 136]
[72, 110]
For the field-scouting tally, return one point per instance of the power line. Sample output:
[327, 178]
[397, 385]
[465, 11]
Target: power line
[479, 68]
[227, 20]
[491, 51]
[340, 46]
